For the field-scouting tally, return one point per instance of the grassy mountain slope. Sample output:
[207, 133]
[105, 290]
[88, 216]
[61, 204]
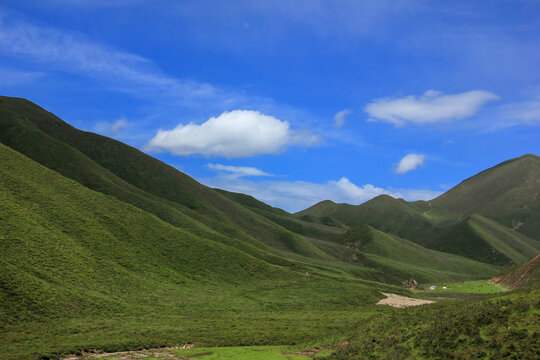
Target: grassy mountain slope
[490, 217]
[119, 170]
[508, 193]
[80, 269]
[485, 240]
[382, 212]
[406, 259]
[115, 169]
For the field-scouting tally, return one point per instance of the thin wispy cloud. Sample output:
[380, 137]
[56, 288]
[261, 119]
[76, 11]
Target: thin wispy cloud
[340, 117]
[238, 171]
[410, 162]
[14, 77]
[526, 113]
[233, 134]
[120, 70]
[432, 107]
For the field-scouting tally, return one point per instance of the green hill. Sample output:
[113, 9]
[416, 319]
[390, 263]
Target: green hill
[81, 269]
[508, 193]
[496, 327]
[116, 169]
[104, 247]
[382, 212]
[491, 217]
[483, 239]
[405, 259]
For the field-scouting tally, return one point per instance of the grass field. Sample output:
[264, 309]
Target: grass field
[470, 287]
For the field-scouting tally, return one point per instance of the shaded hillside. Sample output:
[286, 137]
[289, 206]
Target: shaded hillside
[405, 259]
[525, 276]
[485, 240]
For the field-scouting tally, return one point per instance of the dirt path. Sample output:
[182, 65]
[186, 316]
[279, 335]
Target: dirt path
[402, 301]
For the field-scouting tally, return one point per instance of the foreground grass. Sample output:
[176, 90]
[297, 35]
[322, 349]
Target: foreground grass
[216, 353]
[203, 328]
[499, 327]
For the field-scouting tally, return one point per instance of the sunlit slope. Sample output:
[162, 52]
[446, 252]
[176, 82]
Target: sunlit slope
[116, 169]
[405, 259]
[70, 251]
[84, 270]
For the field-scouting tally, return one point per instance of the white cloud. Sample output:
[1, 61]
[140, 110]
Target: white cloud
[111, 128]
[238, 171]
[234, 134]
[525, 113]
[410, 162]
[340, 117]
[297, 195]
[431, 107]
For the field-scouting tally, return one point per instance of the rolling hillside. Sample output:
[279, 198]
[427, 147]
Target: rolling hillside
[508, 193]
[406, 259]
[73, 258]
[113, 168]
[491, 217]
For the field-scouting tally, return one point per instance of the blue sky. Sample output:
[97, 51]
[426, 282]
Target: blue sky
[292, 102]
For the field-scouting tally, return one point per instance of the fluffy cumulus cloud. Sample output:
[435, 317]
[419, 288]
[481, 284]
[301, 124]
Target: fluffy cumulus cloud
[238, 171]
[234, 134]
[410, 162]
[297, 195]
[340, 117]
[432, 107]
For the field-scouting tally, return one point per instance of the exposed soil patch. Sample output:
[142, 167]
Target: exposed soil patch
[522, 276]
[402, 301]
[129, 355]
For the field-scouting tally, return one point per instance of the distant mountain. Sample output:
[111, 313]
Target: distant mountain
[492, 217]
